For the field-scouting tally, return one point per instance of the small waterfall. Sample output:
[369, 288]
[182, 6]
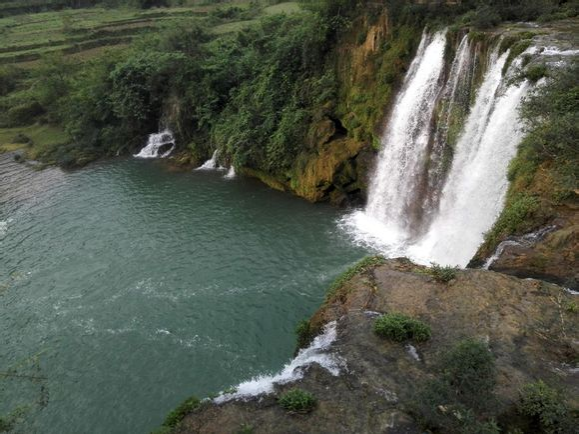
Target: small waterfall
[421, 203]
[155, 144]
[210, 164]
[230, 173]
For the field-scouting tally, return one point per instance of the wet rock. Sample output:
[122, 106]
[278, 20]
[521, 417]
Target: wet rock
[528, 328]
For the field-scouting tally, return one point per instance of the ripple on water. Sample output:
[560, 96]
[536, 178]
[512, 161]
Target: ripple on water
[136, 288]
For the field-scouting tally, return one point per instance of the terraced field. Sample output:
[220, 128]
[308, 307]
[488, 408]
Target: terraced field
[26, 38]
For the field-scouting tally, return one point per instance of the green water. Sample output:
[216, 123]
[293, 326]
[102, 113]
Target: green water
[125, 288]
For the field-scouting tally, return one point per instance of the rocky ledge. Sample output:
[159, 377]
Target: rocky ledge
[529, 327]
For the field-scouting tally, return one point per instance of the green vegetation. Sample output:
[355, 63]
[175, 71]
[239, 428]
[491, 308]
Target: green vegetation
[545, 171]
[297, 401]
[400, 327]
[458, 399]
[364, 265]
[177, 415]
[546, 408]
[440, 273]
[304, 333]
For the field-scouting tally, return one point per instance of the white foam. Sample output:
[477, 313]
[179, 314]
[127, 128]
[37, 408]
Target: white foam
[210, 164]
[154, 144]
[317, 353]
[230, 173]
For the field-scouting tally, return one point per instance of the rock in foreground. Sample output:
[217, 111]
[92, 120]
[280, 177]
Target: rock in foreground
[530, 327]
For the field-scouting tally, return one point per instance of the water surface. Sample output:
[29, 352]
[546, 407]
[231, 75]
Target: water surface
[125, 288]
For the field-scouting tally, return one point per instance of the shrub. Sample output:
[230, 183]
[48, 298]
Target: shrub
[440, 273]
[469, 368]
[5, 424]
[177, 415]
[400, 327]
[304, 333]
[457, 399]
[545, 406]
[297, 401]
[535, 72]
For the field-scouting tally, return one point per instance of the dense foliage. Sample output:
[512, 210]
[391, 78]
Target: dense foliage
[399, 327]
[546, 408]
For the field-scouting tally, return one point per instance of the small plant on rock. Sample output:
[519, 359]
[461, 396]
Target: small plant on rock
[304, 333]
[297, 401]
[400, 327]
[440, 273]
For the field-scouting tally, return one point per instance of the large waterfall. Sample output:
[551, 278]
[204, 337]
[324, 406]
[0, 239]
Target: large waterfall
[440, 178]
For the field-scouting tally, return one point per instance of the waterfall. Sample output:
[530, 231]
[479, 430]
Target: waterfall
[210, 164]
[474, 194]
[230, 173]
[405, 142]
[419, 205]
[155, 143]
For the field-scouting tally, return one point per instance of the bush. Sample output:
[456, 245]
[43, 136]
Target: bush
[304, 333]
[443, 274]
[545, 406]
[400, 327]
[469, 368]
[535, 72]
[297, 401]
[458, 398]
[177, 415]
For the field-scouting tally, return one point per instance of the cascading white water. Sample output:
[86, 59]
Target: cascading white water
[472, 194]
[405, 142]
[210, 164]
[155, 143]
[230, 173]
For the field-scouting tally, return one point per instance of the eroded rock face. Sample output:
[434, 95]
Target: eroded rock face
[551, 253]
[529, 330]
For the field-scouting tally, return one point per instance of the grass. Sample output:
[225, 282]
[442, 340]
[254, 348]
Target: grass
[179, 413]
[363, 265]
[399, 328]
[297, 401]
[283, 8]
[43, 136]
[440, 273]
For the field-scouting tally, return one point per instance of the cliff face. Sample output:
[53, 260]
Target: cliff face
[530, 331]
[370, 60]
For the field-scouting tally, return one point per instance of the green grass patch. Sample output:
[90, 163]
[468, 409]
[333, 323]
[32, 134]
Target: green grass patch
[297, 401]
[360, 267]
[283, 8]
[514, 218]
[179, 413]
[399, 328]
[41, 136]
